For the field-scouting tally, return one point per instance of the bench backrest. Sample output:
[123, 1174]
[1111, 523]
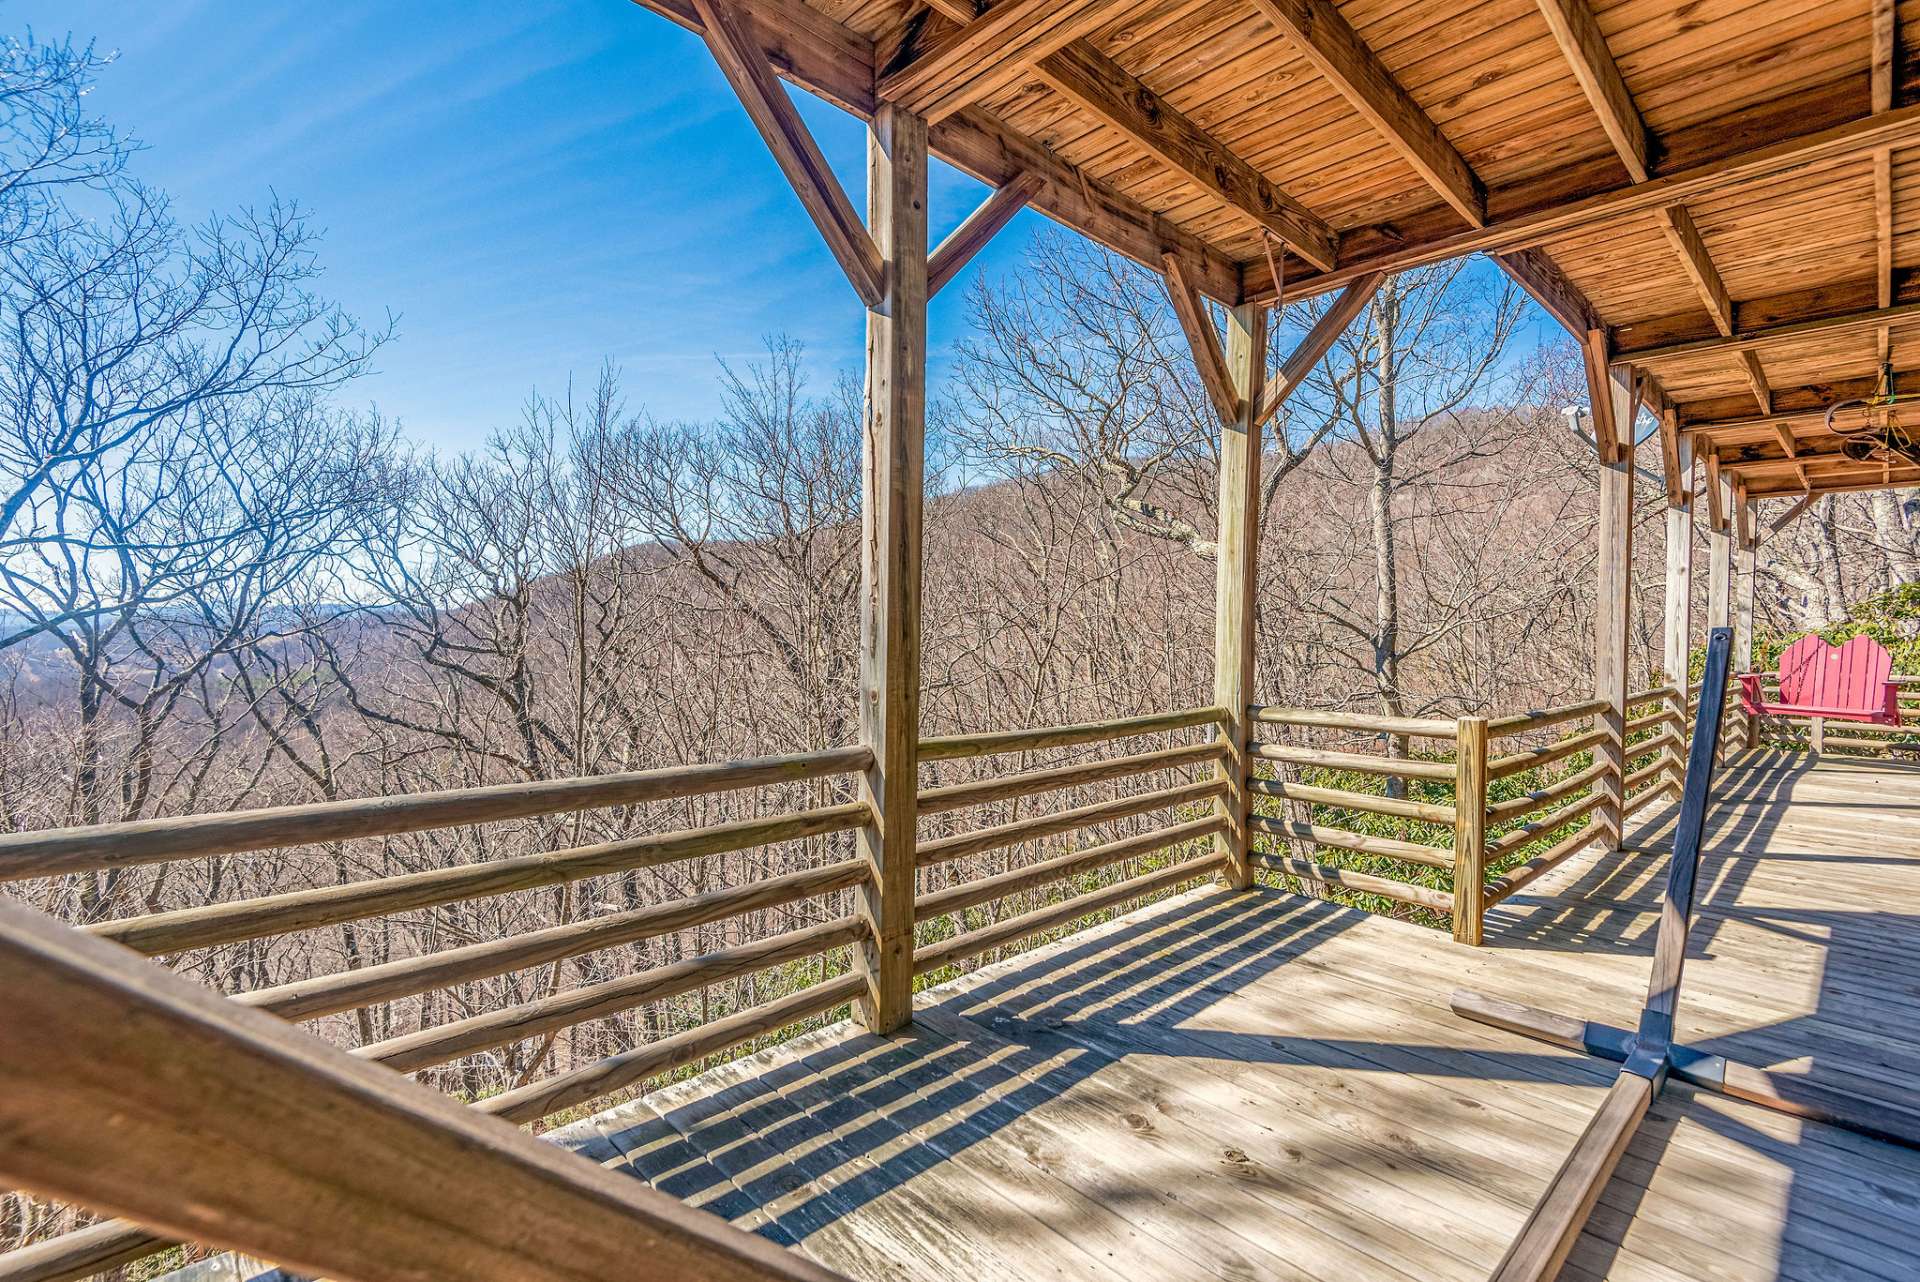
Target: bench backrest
[1816, 674]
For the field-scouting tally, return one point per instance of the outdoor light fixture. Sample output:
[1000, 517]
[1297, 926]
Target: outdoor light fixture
[1870, 429]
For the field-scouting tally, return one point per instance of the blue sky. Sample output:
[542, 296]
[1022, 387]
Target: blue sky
[532, 187]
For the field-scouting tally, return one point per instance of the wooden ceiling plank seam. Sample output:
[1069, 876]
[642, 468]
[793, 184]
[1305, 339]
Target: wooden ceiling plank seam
[1687, 242]
[1578, 33]
[1336, 50]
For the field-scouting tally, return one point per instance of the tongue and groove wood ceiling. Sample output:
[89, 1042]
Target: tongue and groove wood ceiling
[1717, 190]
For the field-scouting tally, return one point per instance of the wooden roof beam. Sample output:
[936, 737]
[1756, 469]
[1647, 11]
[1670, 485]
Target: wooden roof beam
[1804, 405]
[1767, 335]
[831, 61]
[1685, 237]
[1679, 487]
[1860, 477]
[1757, 380]
[1545, 214]
[979, 227]
[1104, 90]
[1883, 80]
[1315, 345]
[990, 52]
[1612, 439]
[1578, 34]
[1716, 495]
[1543, 280]
[746, 68]
[1336, 50]
[1209, 356]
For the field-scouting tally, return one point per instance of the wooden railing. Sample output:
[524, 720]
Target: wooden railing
[961, 910]
[1460, 813]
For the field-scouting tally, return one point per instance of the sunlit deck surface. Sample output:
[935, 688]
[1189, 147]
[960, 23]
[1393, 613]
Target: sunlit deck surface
[1265, 1086]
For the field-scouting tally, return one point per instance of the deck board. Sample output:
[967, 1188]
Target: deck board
[1263, 1086]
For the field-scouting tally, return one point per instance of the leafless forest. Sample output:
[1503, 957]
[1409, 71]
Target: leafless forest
[223, 585]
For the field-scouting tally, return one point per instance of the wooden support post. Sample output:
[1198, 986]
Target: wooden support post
[1719, 555]
[1234, 585]
[1613, 593]
[893, 475]
[1679, 613]
[1469, 828]
[1746, 546]
[1677, 653]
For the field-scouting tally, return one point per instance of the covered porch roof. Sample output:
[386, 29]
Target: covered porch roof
[1711, 195]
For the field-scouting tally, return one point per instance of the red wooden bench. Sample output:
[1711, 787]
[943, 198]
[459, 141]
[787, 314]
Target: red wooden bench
[1829, 682]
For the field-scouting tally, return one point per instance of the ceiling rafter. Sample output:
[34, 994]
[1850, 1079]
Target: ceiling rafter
[745, 66]
[1578, 34]
[1106, 91]
[986, 53]
[830, 60]
[1684, 234]
[1336, 50]
[1545, 216]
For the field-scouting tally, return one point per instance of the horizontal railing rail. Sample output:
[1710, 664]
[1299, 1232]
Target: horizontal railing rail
[53, 851]
[1387, 825]
[1178, 781]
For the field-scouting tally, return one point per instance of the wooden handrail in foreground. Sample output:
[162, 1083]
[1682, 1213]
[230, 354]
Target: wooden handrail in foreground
[233, 1128]
[51, 851]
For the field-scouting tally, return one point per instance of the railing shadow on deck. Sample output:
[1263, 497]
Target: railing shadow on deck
[1613, 906]
[863, 1116]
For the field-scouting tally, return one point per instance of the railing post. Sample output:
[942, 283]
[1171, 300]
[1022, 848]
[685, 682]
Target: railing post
[1469, 828]
[894, 486]
[1613, 432]
[1678, 648]
[1675, 703]
[1746, 548]
[1234, 586]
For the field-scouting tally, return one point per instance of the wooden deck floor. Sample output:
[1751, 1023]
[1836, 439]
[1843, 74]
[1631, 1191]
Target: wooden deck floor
[1261, 1086]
